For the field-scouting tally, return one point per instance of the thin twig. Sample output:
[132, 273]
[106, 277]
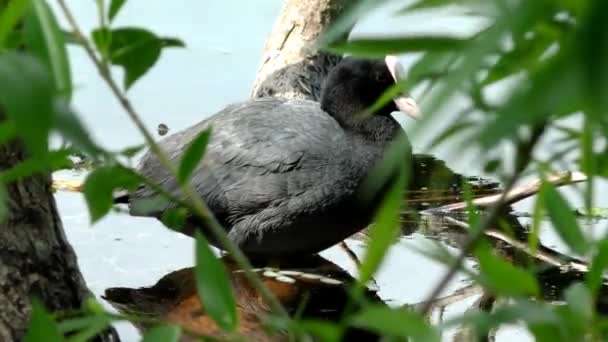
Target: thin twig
[198, 205]
[456, 296]
[543, 256]
[519, 193]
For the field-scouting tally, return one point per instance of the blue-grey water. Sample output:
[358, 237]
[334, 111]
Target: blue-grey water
[224, 46]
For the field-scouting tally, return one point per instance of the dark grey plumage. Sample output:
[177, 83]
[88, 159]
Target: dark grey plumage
[281, 175]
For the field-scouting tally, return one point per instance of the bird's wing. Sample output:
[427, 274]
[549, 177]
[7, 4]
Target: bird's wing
[261, 152]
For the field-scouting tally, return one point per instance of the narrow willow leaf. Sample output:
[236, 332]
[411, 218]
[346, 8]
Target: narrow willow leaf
[563, 219]
[193, 155]
[554, 88]
[69, 126]
[52, 161]
[431, 65]
[214, 286]
[394, 322]
[134, 49]
[503, 277]
[42, 328]
[8, 131]
[26, 94]
[324, 330]
[595, 277]
[10, 15]
[593, 212]
[526, 311]
[427, 4]
[522, 57]
[380, 47]
[175, 218]
[45, 40]
[389, 94]
[386, 225]
[99, 188]
[149, 206]
[79, 323]
[454, 129]
[341, 26]
[115, 6]
[580, 301]
[163, 333]
[98, 324]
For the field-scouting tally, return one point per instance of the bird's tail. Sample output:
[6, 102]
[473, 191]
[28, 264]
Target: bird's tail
[120, 196]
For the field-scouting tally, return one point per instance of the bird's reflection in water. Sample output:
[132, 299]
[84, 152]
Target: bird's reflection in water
[314, 287]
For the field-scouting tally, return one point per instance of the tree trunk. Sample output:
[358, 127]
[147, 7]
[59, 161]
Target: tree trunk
[36, 260]
[292, 66]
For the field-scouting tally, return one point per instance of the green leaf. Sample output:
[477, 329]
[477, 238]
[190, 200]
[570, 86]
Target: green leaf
[380, 47]
[131, 151]
[45, 40]
[52, 161]
[214, 286]
[42, 328]
[175, 218]
[595, 277]
[9, 17]
[554, 88]
[323, 330]
[526, 311]
[387, 224]
[8, 131]
[115, 7]
[389, 94]
[394, 322]
[193, 155]
[79, 323]
[99, 188]
[69, 126]
[342, 25]
[134, 49]
[26, 94]
[163, 333]
[428, 4]
[432, 65]
[563, 219]
[503, 277]
[580, 301]
[593, 212]
[524, 56]
[149, 206]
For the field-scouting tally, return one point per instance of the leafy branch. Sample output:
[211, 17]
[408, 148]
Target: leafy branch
[200, 208]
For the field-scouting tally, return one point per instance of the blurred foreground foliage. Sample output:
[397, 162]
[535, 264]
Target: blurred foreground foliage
[553, 53]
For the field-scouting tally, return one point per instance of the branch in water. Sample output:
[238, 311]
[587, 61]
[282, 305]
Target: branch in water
[518, 193]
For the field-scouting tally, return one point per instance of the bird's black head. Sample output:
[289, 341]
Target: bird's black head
[354, 85]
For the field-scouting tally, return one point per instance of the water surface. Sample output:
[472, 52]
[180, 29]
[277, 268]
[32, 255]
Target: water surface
[224, 46]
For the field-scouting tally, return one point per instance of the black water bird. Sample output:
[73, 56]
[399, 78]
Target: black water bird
[281, 176]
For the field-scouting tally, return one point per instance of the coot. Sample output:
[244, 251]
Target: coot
[280, 175]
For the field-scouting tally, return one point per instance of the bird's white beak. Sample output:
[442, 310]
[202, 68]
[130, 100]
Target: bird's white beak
[405, 103]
